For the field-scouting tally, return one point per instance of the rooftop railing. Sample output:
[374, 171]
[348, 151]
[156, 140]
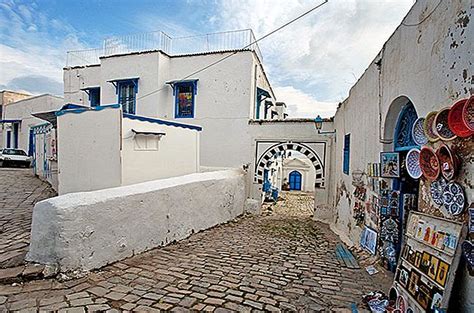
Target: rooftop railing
[213, 42]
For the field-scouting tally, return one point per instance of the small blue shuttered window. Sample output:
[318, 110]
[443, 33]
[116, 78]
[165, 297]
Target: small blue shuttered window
[347, 149]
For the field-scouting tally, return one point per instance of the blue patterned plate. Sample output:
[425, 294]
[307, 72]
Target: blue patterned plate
[418, 132]
[453, 198]
[436, 189]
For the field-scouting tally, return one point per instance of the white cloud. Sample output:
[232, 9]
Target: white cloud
[300, 104]
[33, 45]
[325, 52]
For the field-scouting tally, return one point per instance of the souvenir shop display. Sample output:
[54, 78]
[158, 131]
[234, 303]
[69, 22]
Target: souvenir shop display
[428, 127]
[453, 198]
[429, 163]
[428, 262]
[448, 162]
[412, 163]
[368, 240]
[418, 132]
[437, 189]
[456, 119]
[468, 114]
[390, 164]
[441, 125]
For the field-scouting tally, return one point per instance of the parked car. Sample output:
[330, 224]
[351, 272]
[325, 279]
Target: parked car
[9, 156]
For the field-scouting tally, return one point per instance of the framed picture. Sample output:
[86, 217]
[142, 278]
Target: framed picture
[390, 164]
[411, 256]
[437, 298]
[413, 282]
[471, 220]
[403, 276]
[433, 269]
[443, 270]
[368, 240]
[423, 296]
[417, 262]
[425, 262]
[406, 251]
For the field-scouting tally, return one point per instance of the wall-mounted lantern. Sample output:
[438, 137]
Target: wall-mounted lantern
[318, 122]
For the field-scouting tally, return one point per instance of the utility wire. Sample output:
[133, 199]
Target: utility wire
[245, 47]
[426, 17]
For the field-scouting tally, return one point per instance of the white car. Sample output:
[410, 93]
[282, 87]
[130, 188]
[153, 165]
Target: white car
[10, 156]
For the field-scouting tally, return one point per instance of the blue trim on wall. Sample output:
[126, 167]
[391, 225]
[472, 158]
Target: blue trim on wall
[83, 109]
[346, 154]
[162, 122]
[10, 121]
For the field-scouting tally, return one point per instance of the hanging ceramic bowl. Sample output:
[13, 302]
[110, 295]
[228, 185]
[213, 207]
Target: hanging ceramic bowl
[429, 163]
[453, 198]
[441, 127]
[412, 163]
[436, 189]
[455, 119]
[428, 126]
[468, 114]
[448, 162]
[418, 133]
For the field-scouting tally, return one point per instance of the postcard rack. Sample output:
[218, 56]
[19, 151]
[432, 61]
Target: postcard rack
[428, 262]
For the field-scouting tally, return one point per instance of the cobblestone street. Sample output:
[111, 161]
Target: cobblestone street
[281, 260]
[19, 191]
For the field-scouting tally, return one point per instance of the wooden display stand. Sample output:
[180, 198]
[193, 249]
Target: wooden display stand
[428, 262]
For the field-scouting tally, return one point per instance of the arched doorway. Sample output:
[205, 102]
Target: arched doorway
[295, 180]
[402, 190]
[277, 149]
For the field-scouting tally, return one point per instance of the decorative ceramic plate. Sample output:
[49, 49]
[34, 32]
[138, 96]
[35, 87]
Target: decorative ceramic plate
[441, 126]
[468, 252]
[429, 163]
[448, 162]
[455, 119]
[418, 133]
[453, 198]
[468, 114]
[436, 189]
[428, 127]
[401, 304]
[412, 163]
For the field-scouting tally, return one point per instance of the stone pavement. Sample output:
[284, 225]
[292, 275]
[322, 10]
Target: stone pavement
[19, 191]
[277, 261]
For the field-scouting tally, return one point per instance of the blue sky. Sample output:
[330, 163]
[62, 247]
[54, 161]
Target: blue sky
[311, 64]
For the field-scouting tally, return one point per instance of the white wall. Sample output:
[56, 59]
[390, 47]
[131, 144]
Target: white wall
[176, 153]
[83, 231]
[89, 150]
[22, 110]
[306, 169]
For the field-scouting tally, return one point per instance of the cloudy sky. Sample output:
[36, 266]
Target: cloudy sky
[311, 64]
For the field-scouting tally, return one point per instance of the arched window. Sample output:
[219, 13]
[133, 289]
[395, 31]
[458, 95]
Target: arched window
[403, 139]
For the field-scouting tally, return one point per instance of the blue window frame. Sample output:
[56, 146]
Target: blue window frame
[184, 95]
[127, 90]
[346, 156]
[262, 94]
[94, 96]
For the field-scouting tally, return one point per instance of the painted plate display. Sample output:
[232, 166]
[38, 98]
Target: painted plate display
[436, 189]
[401, 304]
[455, 119]
[468, 114]
[448, 162]
[453, 198]
[418, 132]
[441, 126]
[412, 163]
[429, 163]
[428, 126]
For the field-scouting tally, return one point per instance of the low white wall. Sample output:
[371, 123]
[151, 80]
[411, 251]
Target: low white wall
[89, 150]
[148, 157]
[87, 230]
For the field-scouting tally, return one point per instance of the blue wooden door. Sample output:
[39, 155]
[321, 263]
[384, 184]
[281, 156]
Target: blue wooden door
[295, 180]
[9, 138]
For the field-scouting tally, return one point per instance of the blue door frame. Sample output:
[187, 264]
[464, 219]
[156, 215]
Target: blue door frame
[295, 180]
[9, 138]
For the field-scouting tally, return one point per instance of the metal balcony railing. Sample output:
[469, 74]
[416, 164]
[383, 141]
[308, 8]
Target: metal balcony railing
[213, 42]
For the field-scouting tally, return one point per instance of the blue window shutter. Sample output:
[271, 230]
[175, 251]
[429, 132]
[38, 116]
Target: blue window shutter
[346, 156]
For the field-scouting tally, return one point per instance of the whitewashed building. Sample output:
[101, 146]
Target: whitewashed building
[299, 173]
[178, 84]
[9, 128]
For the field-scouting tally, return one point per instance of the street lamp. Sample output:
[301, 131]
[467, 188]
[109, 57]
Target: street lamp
[318, 122]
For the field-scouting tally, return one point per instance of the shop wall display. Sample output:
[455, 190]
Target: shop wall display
[368, 240]
[390, 164]
[431, 256]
